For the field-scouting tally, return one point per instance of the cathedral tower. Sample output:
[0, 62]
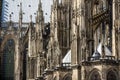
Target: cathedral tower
[78, 30]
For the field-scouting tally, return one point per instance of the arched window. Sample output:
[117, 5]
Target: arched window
[68, 77]
[111, 75]
[8, 60]
[95, 76]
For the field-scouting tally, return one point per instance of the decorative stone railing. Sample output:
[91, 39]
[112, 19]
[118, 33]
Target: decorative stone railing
[107, 60]
[99, 58]
[66, 65]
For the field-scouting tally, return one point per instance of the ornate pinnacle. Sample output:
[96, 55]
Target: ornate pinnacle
[31, 18]
[40, 5]
[20, 14]
[10, 16]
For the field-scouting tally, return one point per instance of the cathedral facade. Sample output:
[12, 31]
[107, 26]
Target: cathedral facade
[81, 42]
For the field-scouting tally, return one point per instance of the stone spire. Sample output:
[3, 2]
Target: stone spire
[20, 16]
[40, 6]
[31, 18]
[39, 17]
[31, 22]
[36, 18]
[10, 16]
[55, 3]
[10, 23]
[39, 12]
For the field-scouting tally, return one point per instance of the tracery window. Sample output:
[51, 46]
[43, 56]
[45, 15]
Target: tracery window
[68, 77]
[111, 76]
[8, 60]
[95, 76]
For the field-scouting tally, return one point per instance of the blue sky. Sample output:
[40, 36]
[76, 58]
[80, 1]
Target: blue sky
[29, 8]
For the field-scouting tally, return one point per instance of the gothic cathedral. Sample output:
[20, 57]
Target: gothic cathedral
[81, 42]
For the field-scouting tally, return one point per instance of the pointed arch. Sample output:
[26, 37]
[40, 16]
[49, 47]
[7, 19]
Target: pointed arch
[112, 74]
[7, 37]
[9, 54]
[8, 63]
[95, 75]
[68, 76]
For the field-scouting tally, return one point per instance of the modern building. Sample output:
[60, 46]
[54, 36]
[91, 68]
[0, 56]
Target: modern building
[81, 42]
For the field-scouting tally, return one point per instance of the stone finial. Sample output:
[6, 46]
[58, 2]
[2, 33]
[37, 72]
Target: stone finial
[10, 16]
[37, 17]
[20, 13]
[31, 17]
[10, 23]
[20, 16]
[39, 6]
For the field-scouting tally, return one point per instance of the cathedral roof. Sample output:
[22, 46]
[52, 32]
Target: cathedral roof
[99, 51]
[67, 58]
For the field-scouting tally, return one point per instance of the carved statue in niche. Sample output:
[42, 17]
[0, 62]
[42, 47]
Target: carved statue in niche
[74, 31]
[58, 53]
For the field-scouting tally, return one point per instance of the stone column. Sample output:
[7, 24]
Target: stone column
[113, 41]
[30, 43]
[17, 61]
[83, 75]
[38, 65]
[74, 44]
[103, 72]
[82, 32]
[119, 45]
[113, 31]
[75, 74]
[74, 54]
[28, 68]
